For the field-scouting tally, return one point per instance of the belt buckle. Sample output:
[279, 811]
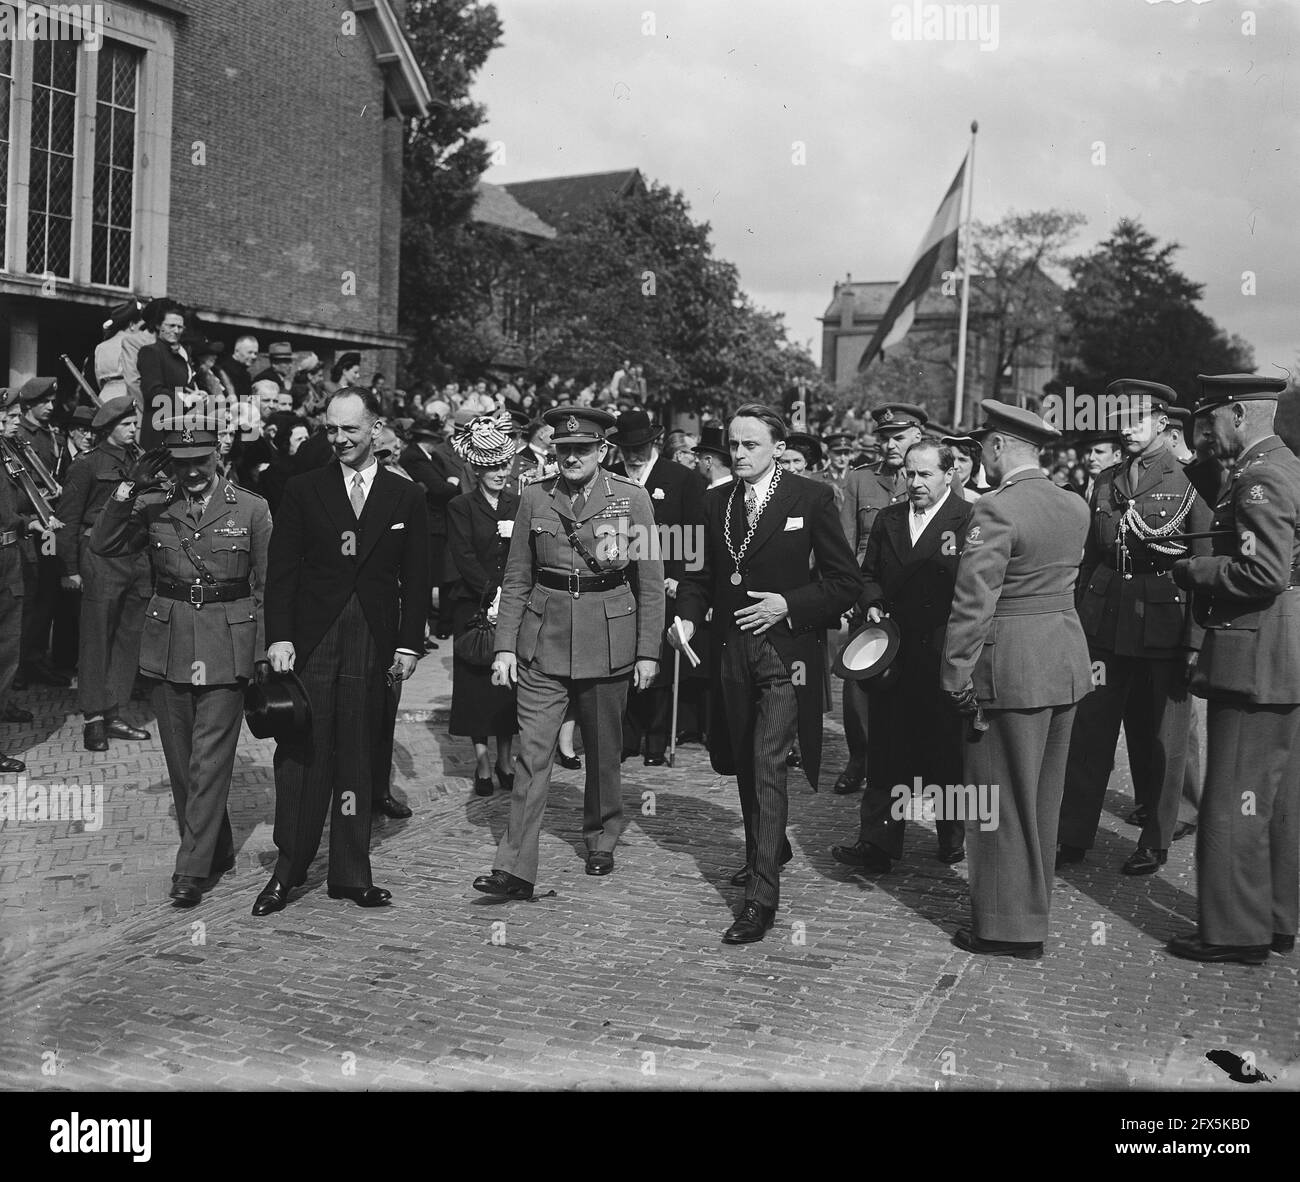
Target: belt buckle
[572, 580]
[196, 603]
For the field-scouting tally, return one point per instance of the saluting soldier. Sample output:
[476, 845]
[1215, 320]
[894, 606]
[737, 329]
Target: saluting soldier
[13, 527]
[1015, 651]
[582, 607]
[114, 590]
[207, 540]
[1247, 597]
[1141, 635]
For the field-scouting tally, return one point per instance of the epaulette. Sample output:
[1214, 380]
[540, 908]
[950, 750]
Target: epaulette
[230, 500]
[615, 476]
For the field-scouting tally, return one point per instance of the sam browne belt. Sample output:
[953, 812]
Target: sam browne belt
[577, 584]
[226, 591]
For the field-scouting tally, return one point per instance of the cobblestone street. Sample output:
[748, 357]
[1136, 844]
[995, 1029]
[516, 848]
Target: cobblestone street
[619, 982]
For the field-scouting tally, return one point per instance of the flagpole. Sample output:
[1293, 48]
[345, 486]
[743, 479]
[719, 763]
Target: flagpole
[965, 281]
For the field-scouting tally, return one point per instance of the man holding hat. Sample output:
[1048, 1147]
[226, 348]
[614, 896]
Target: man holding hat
[13, 528]
[114, 589]
[207, 541]
[1141, 635]
[582, 607]
[1247, 597]
[677, 500]
[1014, 650]
[868, 489]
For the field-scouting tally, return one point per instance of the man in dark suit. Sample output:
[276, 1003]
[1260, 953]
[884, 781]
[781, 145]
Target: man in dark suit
[1247, 597]
[346, 594]
[765, 534]
[164, 370]
[910, 568]
[677, 498]
[1015, 651]
[429, 466]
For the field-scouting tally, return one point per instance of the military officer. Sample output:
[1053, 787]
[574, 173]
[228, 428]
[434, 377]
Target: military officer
[1015, 651]
[114, 591]
[1247, 596]
[207, 540]
[582, 607]
[839, 445]
[1141, 635]
[13, 527]
[868, 489]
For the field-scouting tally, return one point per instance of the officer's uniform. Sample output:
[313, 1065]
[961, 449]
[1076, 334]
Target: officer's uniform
[1247, 596]
[114, 591]
[201, 636]
[1014, 635]
[1139, 629]
[576, 634]
[13, 527]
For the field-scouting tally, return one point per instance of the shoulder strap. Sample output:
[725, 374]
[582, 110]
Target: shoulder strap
[193, 555]
[581, 550]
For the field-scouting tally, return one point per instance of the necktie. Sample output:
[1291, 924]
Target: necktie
[196, 511]
[579, 501]
[358, 497]
[751, 508]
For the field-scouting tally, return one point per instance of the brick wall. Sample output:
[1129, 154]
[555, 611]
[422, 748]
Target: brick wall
[300, 170]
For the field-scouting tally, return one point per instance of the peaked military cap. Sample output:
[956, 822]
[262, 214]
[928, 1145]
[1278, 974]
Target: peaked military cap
[189, 442]
[1016, 421]
[1225, 388]
[579, 424]
[898, 416]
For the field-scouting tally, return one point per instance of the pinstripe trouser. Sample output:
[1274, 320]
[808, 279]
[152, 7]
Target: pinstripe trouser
[344, 679]
[763, 719]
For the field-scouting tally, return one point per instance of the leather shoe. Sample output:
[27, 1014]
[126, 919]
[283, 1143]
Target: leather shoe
[1283, 944]
[600, 863]
[94, 736]
[655, 761]
[273, 898]
[1184, 829]
[371, 896]
[483, 786]
[951, 857]
[742, 875]
[504, 885]
[117, 729]
[1144, 861]
[572, 762]
[1192, 947]
[846, 785]
[1137, 816]
[11, 766]
[506, 780]
[38, 673]
[187, 891]
[689, 737]
[863, 856]
[16, 714]
[1021, 950]
[392, 808]
[751, 924]
[793, 758]
[1068, 855]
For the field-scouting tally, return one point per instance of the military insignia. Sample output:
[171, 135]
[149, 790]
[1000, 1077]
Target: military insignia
[187, 436]
[231, 499]
[887, 417]
[1256, 496]
[234, 531]
[973, 538]
[571, 423]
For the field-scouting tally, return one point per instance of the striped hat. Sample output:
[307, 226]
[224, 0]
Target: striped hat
[485, 441]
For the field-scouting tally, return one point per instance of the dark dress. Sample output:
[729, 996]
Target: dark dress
[479, 552]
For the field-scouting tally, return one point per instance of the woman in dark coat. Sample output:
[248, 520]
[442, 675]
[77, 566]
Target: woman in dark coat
[479, 525]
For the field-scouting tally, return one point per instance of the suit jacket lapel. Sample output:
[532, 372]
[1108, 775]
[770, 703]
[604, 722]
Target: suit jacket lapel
[1149, 478]
[932, 535]
[773, 518]
[377, 514]
[329, 483]
[900, 537]
[597, 498]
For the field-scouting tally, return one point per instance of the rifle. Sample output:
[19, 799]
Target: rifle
[22, 477]
[86, 387]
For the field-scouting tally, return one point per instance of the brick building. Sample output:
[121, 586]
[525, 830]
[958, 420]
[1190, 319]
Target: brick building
[244, 158]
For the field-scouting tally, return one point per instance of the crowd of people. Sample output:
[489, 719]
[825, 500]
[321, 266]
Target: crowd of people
[600, 576]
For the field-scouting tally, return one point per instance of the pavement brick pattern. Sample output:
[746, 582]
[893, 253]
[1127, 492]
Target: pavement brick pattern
[600, 983]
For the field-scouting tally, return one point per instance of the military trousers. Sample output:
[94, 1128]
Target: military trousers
[1167, 711]
[763, 720]
[328, 772]
[541, 702]
[11, 626]
[1013, 863]
[112, 619]
[199, 727]
[41, 590]
[1248, 840]
[1140, 740]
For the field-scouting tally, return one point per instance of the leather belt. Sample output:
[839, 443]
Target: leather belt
[1034, 605]
[9, 537]
[576, 585]
[200, 593]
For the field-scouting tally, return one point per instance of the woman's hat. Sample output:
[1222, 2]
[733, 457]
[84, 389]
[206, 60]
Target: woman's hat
[276, 705]
[869, 653]
[485, 441]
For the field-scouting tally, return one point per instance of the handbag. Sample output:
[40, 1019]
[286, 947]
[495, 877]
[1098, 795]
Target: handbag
[475, 646]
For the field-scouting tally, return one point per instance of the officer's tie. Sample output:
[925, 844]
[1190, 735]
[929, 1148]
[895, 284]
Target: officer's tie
[358, 497]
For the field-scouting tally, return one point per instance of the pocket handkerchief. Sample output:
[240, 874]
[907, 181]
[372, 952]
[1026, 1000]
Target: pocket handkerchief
[793, 523]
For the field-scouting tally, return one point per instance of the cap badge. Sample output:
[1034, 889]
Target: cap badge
[887, 417]
[187, 436]
[571, 424]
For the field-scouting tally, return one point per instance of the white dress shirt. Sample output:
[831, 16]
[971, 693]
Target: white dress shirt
[760, 486]
[367, 478]
[916, 522]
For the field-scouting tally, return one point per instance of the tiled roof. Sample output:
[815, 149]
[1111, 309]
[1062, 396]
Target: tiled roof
[494, 206]
[557, 199]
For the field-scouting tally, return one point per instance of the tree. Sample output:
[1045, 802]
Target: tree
[1132, 313]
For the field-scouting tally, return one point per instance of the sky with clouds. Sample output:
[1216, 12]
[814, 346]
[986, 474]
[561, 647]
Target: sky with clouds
[1196, 112]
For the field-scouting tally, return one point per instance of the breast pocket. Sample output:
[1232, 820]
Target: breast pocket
[620, 620]
[543, 533]
[229, 556]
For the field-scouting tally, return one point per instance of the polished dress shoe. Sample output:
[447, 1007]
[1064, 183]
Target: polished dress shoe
[572, 762]
[793, 758]
[504, 885]
[863, 856]
[186, 890]
[1144, 861]
[94, 736]
[115, 728]
[1137, 816]
[951, 857]
[1192, 947]
[273, 898]
[391, 808]
[600, 863]
[751, 924]
[846, 785]
[742, 875]
[655, 760]
[689, 737]
[371, 896]
[16, 714]
[1282, 944]
[38, 673]
[11, 766]
[1068, 855]
[1184, 829]
[483, 786]
[506, 780]
[1021, 950]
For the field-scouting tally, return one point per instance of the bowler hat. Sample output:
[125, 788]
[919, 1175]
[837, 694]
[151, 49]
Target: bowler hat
[869, 652]
[633, 429]
[276, 705]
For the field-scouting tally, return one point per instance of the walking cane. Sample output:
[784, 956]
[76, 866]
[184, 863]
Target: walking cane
[672, 729]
